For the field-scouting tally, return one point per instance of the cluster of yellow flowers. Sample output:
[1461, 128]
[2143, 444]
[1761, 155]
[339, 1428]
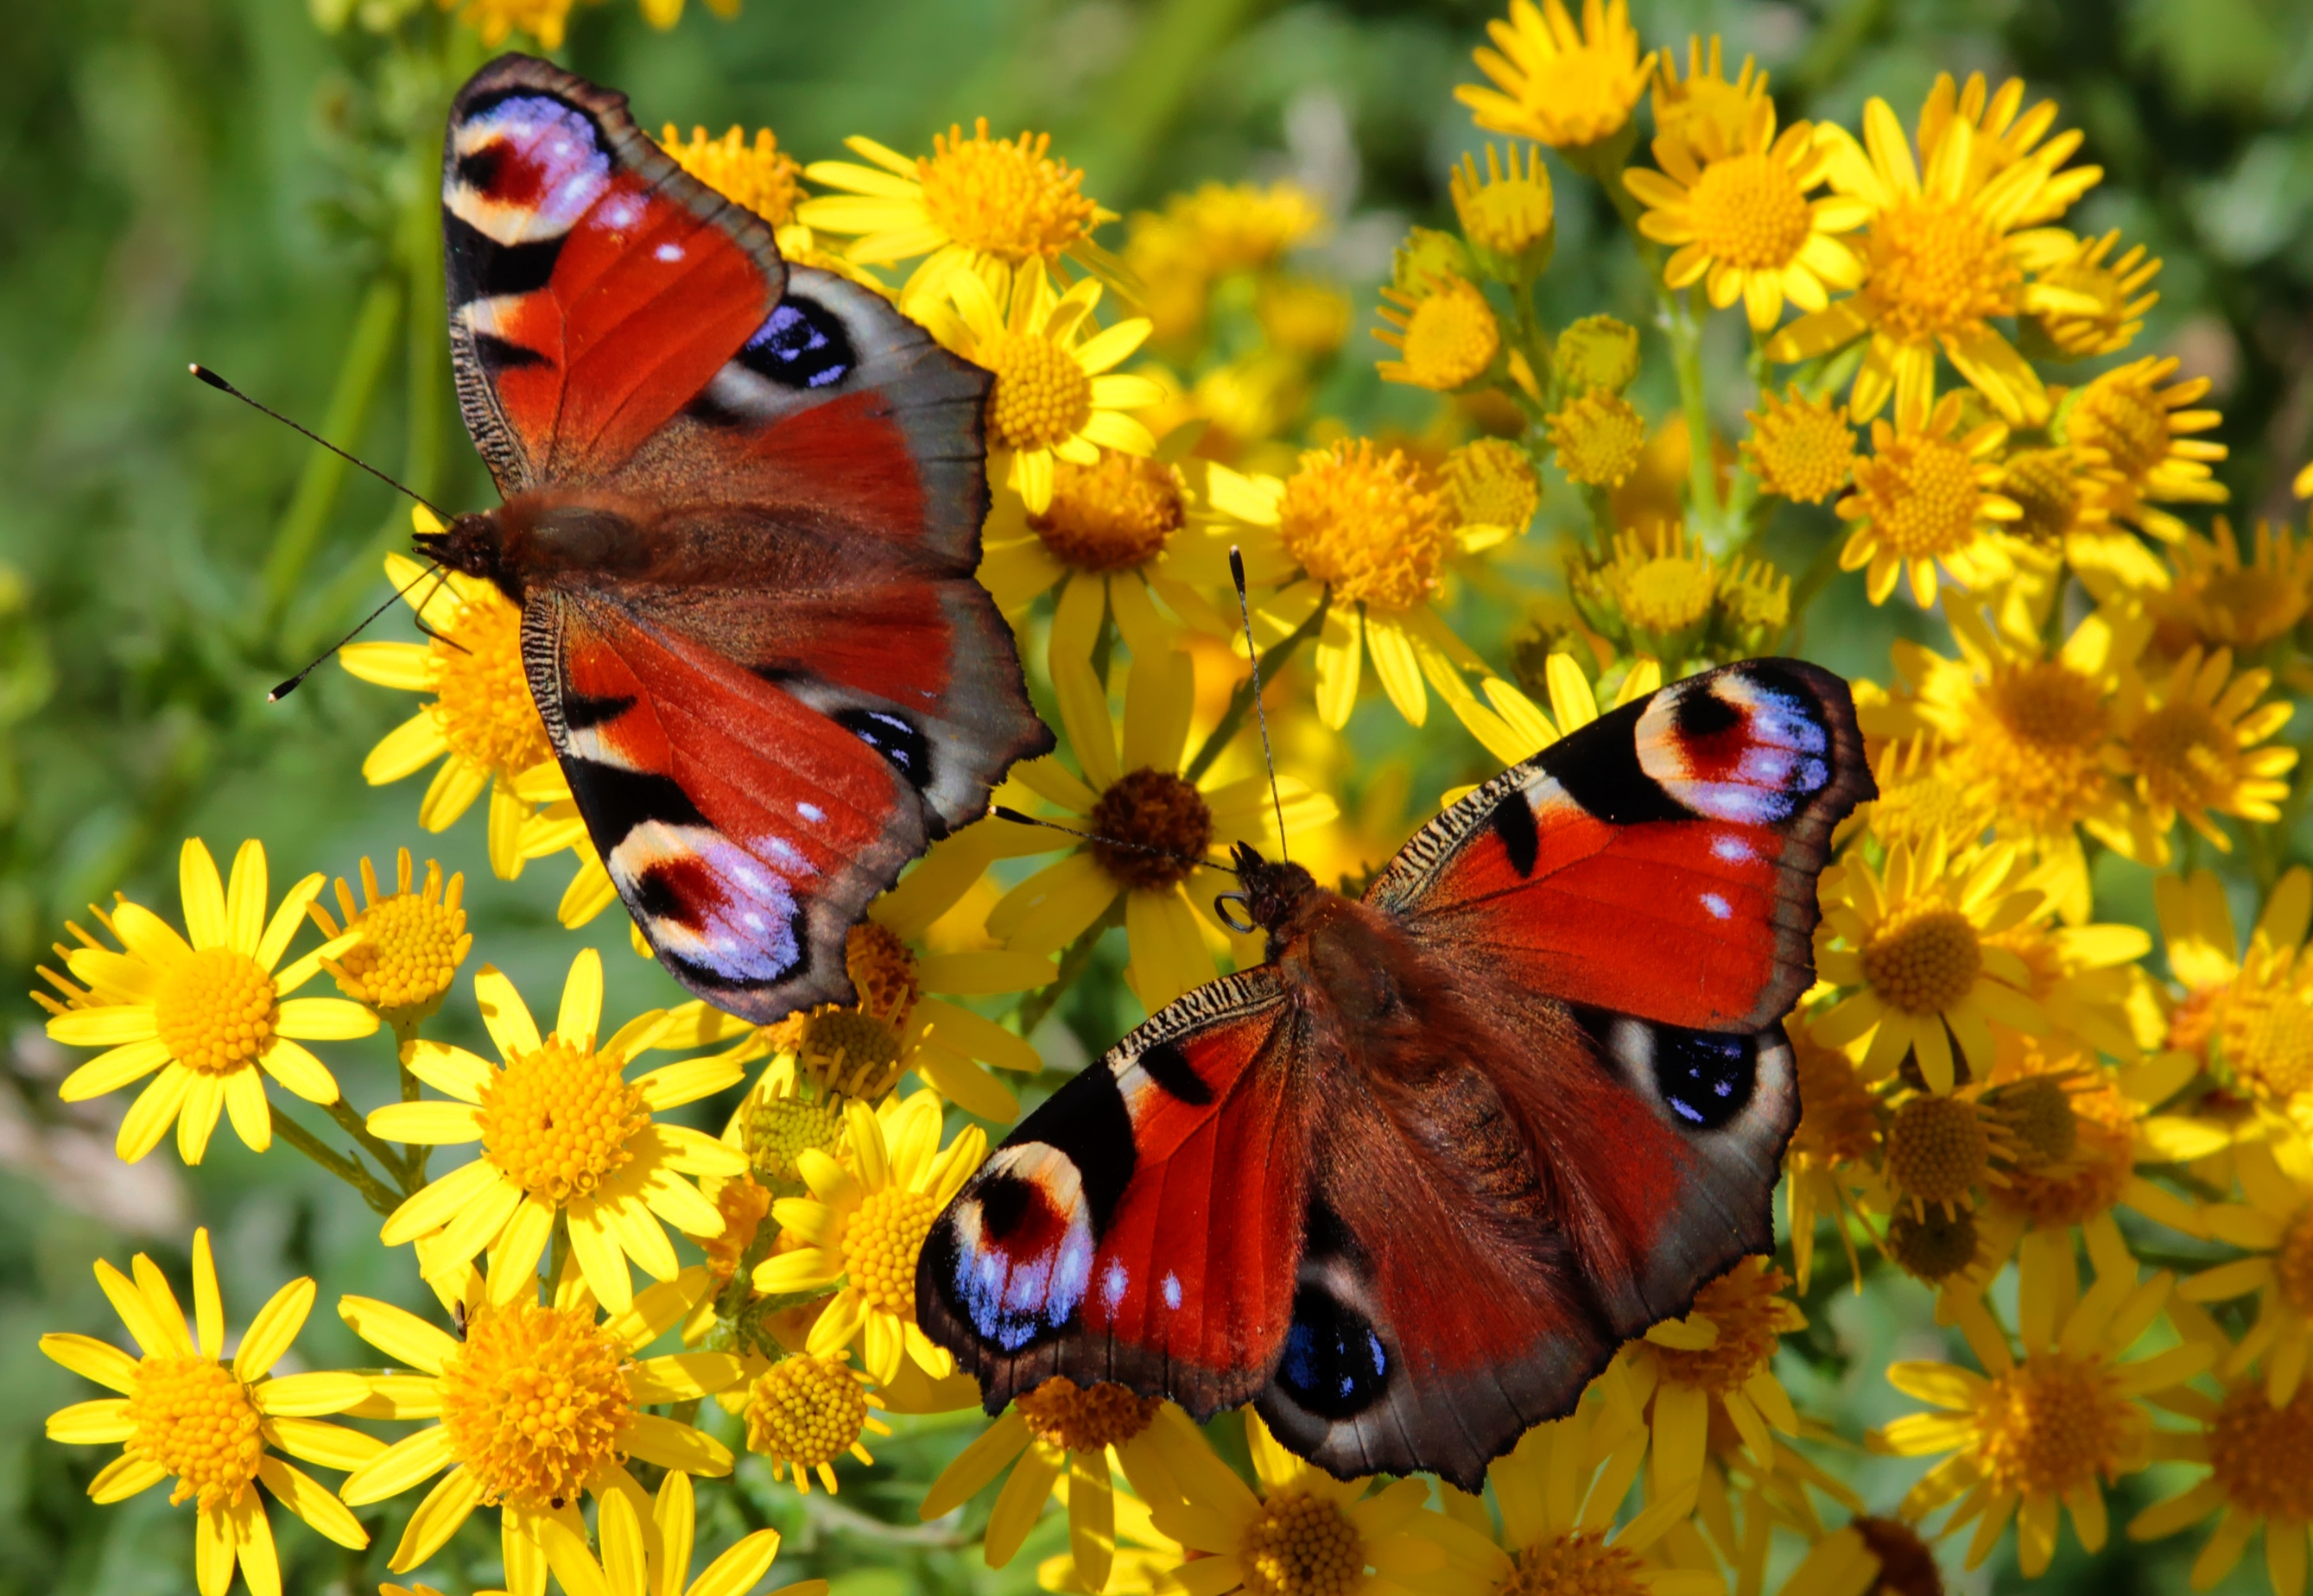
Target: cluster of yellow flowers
[2004, 1097]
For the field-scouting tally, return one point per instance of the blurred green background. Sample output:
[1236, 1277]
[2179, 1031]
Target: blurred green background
[226, 180]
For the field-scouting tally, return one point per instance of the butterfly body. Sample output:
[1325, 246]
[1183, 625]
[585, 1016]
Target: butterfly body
[1407, 1184]
[742, 513]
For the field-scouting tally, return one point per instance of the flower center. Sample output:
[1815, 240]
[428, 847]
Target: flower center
[407, 955]
[880, 1243]
[1006, 197]
[2037, 747]
[2269, 1040]
[1937, 268]
[2098, 1133]
[1508, 216]
[1745, 1305]
[1839, 1121]
[534, 1402]
[214, 1011]
[2292, 1264]
[1748, 211]
[779, 1129]
[1085, 1418]
[806, 1410]
[1042, 396]
[1668, 594]
[2184, 755]
[1599, 438]
[482, 701]
[1938, 1149]
[194, 1418]
[1492, 483]
[1907, 1566]
[1924, 959]
[2262, 1456]
[1302, 1544]
[2125, 417]
[1155, 829]
[2038, 1112]
[2048, 1426]
[1921, 497]
[1582, 1563]
[558, 1120]
[1803, 451]
[1112, 515]
[1451, 338]
[2041, 483]
[1365, 523]
[1933, 1248]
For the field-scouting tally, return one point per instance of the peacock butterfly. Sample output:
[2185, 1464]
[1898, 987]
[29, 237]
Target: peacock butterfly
[1406, 1185]
[743, 511]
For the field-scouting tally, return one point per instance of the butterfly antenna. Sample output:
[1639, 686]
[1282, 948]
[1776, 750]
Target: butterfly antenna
[1004, 813]
[222, 386]
[1252, 653]
[290, 685]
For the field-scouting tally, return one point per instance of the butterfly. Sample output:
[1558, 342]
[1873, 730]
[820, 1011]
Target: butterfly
[742, 501]
[1406, 1185]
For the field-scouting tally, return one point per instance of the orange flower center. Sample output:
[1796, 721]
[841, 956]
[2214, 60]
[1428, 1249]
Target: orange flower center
[2051, 1425]
[2126, 418]
[1581, 1564]
[1748, 211]
[482, 701]
[880, 1244]
[806, 1410]
[1085, 1418]
[534, 1402]
[1936, 268]
[1006, 197]
[1921, 497]
[2185, 756]
[1367, 524]
[1924, 959]
[2262, 1456]
[214, 1011]
[2268, 1041]
[2292, 1264]
[558, 1120]
[1301, 1544]
[1041, 397]
[194, 1418]
[1938, 1149]
[1111, 516]
[1746, 1306]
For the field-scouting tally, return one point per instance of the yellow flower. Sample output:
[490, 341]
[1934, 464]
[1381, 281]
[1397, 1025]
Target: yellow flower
[1705, 109]
[2192, 745]
[543, 20]
[412, 941]
[2144, 432]
[1156, 824]
[2045, 1432]
[1055, 398]
[972, 200]
[2274, 1225]
[655, 1561]
[2263, 1024]
[2204, 952]
[804, 1412]
[1911, 940]
[482, 722]
[1509, 217]
[1491, 484]
[1600, 352]
[209, 1010]
[2117, 289]
[1940, 258]
[1143, 1561]
[2002, 138]
[186, 1413]
[1058, 1429]
[663, 15]
[1566, 88]
[1599, 437]
[1245, 226]
[1446, 336]
[863, 1224]
[759, 176]
[1738, 215]
[2218, 599]
[1869, 1554]
[1928, 494]
[564, 1134]
[1801, 449]
[534, 1405]
[2064, 497]
[1833, 1157]
[1719, 1356]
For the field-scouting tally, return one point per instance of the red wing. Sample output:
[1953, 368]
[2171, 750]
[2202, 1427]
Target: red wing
[594, 288]
[1659, 862]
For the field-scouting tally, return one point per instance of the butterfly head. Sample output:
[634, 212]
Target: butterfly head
[1275, 896]
[472, 544]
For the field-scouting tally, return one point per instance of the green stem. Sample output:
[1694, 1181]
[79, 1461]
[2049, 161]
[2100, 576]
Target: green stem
[351, 1123]
[428, 344]
[1039, 1003]
[1683, 327]
[1232, 719]
[325, 473]
[346, 1169]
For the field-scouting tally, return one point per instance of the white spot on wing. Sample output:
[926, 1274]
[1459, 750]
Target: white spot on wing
[812, 813]
[1172, 1290]
[1716, 904]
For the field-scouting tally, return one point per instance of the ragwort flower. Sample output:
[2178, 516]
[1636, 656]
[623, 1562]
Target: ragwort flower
[2273, 1225]
[1719, 1356]
[2190, 745]
[1704, 108]
[2117, 289]
[2145, 434]
[1571, 89]
[1801, 449]
[412, 941]
[759, 175]
[1444, 335]
[804, 1412]
[655, 1561]
[2216, 599]
[1928, 494]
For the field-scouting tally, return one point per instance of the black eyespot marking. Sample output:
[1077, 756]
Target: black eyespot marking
[801, 344]
[1169, 1068]
[1701, 714]
[1086, 1120]
[656, 898]
[1003, 1202]
[502, 354]
[1334, 1364]
[615, 801]
[1598, 767]
[907, 749]
[1513, 822]
[479, 169]
[479, 267]
[581, 713]
[1706, 1076]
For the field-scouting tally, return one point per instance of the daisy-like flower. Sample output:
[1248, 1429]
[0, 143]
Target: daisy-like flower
[1571, 89]
[2005, 135]
[2063, 494]
[973, 199]
[1738, 219]
[2263, 1031]
[481, 723]
[563, 1133]
[412, 941]
[1912, 939]
[1928, 494]
[1060, 1428]
[1655, 588]
[1056, 395]
[186, 1413]
[2118, 287]
[757, 174]
[1921, 792]
[2274, 1225]
[1444, 335]
[1833, 1157]
[859, 1231]
[804, 1412]
[1942, 1149]
[1718, 1359]
[2040, 1434]
[536, 1405]
[2190, 745]
[1801, 449]
[2145, 432]
[1508, 217]
[1940, 257]
[655, 1561]
[1599, 437]
[210, 1010]
[1703, 108]
[1153, 829]
[2218, 599]
[2205, 951]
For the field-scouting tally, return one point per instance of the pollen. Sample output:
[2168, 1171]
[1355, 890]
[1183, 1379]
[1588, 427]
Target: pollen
[534, 1402]
[2262, 1456]
[1085, 1418]
[1112, 516]
[1938, 1149]
[214, 1011]
[2050, 1425]
[412, 941]
[1933, 1245]
[1582, 1563]
[804, 1412]
[2292, 1264]
[1920, 494]
[482, 702]
[1658, 584]
[1924, 959]
[1936, 268]
[1746, 1307]
[1042, 395]
[557, 1119]
[1748, 210]
[1008, 198]
[1153, 827]
[1801, 449]
[1367, 524]
[1447, 338]
[2184, 757]
[2268, 1041]
[779, 1128]
[194, 1418]
[1492, 482]
[1596, 352]
[759, 176]
[1598, 438]
[1302, 1544]
[881, 1241]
